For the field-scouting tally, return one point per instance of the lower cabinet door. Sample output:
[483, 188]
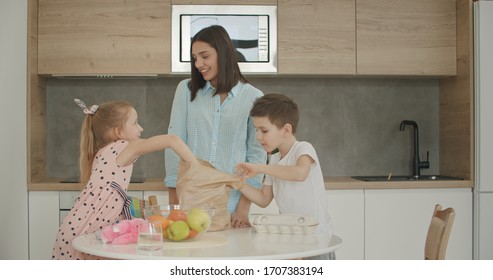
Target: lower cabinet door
[397, 221]
[43, 223]
[346, 208]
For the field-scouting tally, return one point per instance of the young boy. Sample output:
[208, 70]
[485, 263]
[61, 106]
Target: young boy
[293, 175]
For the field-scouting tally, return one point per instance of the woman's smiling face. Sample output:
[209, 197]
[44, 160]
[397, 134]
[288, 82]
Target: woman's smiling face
[205, 60]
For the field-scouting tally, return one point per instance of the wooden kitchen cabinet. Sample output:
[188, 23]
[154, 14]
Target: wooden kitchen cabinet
[406, 37]
[316, 37]
[397, 221]
[224, 2]
[92, 37]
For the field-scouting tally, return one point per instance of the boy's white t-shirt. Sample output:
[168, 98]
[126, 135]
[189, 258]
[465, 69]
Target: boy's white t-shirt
[307, 197]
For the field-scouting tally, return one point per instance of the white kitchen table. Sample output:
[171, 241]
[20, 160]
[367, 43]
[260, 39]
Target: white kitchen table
[239, 243]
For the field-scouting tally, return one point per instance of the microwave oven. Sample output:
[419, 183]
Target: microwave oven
[252, 29]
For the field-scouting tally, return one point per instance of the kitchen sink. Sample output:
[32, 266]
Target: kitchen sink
[405, 178]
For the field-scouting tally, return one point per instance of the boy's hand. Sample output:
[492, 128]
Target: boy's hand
[246, 170]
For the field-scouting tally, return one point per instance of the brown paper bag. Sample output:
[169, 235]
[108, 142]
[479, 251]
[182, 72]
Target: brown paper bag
[201, 185]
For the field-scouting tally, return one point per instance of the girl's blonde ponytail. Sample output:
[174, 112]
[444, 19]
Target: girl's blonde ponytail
[87, 149]
[97, 132]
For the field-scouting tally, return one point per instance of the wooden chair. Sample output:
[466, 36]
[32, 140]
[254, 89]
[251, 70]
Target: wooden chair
[438, 233]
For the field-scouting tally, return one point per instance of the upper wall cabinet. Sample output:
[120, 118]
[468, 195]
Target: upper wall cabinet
[316, 37]
[224, 2]
[93, 37]
[406, 37]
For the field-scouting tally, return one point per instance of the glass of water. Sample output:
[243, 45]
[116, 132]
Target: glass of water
[150, 235]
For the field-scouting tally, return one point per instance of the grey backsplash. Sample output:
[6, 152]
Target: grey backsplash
[353, 123]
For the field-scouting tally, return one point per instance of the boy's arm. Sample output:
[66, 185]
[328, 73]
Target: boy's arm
[297, 172]
[262, 197]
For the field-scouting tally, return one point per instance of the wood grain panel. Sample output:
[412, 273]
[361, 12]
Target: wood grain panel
[36, 102]
[397, 37]
[316, 37]
[456, 103]
[224, 2]
[104, 37]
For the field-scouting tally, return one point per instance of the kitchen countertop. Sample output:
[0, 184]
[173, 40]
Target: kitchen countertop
[331, 183]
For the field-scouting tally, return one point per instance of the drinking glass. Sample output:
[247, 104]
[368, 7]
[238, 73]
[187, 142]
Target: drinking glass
[150, 235]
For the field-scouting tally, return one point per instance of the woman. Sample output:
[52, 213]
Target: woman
[211, 114]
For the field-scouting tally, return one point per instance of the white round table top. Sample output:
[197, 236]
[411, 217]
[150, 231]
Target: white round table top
[240, 243]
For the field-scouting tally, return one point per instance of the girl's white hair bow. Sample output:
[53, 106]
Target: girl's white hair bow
[87, 111]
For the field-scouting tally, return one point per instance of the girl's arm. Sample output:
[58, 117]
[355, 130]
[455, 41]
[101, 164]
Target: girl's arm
[144, 146]
[297, 172]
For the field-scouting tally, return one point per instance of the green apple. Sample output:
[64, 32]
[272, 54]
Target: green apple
[198, 220]
[178, 230]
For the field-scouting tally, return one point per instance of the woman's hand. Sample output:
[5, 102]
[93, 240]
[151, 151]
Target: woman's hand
[240, 220]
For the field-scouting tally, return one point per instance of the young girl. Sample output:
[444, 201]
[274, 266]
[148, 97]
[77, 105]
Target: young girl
[110, 144]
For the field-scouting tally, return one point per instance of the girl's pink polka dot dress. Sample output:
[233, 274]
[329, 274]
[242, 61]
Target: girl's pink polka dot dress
[102, 202]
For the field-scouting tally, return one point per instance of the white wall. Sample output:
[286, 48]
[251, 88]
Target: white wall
[13, 163]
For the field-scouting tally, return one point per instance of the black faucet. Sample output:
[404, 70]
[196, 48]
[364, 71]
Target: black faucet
[417, 165]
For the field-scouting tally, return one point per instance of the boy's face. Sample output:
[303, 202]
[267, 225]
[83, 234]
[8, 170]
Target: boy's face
[268, 134]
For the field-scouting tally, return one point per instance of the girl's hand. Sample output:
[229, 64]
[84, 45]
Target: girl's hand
[246, 170]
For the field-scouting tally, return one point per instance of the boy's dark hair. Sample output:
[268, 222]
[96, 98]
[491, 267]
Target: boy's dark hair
[279, 108]
[228, 72]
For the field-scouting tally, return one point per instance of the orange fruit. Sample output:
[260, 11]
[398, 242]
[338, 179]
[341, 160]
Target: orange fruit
[192, 234]
[177, 215]
[164, 221]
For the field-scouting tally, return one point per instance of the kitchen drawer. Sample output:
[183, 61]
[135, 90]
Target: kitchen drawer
[67, 199]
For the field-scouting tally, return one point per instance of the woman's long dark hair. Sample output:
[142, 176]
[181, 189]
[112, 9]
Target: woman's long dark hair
[228, 73]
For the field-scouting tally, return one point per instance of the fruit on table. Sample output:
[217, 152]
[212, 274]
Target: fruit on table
[178, 230]
[177, 215]
[164, 221]
[198, 219]
[192, 234]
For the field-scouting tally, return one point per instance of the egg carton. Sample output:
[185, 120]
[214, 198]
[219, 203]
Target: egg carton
[284, 223]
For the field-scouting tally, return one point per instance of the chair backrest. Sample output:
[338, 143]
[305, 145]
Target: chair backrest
[438, 233]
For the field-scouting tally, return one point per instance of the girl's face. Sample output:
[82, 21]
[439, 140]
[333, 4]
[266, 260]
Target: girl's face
[205, 58]
[268, 134]
[131, 129]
